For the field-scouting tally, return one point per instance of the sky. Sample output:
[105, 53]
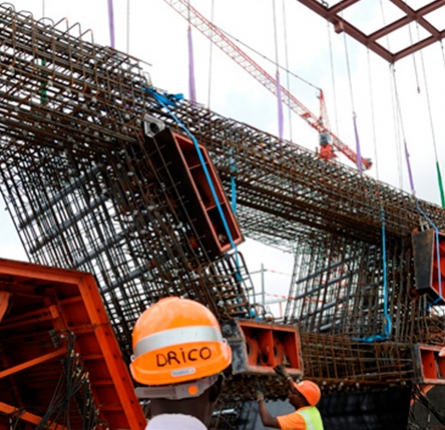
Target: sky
[390, 106]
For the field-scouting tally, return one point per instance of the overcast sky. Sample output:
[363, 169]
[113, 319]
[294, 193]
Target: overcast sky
[155, 33]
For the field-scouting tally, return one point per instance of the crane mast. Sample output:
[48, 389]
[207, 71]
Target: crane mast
[213, 33]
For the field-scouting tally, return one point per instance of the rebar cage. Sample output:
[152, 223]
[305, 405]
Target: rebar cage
[80, 185]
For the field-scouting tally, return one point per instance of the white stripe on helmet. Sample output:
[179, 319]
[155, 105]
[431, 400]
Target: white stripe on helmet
[177, 336]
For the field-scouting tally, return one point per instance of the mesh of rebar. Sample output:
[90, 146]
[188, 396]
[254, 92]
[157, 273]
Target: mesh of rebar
[118, 226]
[60, 90]
[339, 288]
[79, 183]
[338, 361]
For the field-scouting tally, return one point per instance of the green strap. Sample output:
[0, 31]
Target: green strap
[439, 179]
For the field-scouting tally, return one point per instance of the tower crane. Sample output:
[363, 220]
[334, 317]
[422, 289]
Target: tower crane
[329, 139]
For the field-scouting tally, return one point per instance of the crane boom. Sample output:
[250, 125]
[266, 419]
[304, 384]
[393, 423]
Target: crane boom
[212, 32]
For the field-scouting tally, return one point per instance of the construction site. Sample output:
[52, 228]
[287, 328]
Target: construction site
[122, 194]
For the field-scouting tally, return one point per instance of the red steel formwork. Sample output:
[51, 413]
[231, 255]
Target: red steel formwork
[61, 366]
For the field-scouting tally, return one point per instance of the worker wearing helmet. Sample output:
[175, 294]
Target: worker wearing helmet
[303, 396]
[179, 354]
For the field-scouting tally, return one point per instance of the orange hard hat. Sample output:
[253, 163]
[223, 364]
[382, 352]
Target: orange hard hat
[177, 340]
[309, 390]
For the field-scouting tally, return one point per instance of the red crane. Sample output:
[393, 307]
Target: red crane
[232, 50]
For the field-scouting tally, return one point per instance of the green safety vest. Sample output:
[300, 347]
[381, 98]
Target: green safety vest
[312, 418]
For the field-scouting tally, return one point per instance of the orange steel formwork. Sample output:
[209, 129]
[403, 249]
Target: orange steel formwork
[431, 365]
[183, 168]
[60, 363]
[264, 346]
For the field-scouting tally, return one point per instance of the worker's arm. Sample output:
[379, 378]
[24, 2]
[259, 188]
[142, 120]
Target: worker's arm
[281, 371]
[266, 418]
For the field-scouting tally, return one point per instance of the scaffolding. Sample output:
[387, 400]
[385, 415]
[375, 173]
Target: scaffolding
[84, 191]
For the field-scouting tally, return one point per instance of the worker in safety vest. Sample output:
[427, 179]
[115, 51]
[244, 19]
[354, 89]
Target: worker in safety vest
[179, 354]
[303, 396]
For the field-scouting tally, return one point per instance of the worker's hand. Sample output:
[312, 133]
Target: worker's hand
[259, 395]
[281, 370]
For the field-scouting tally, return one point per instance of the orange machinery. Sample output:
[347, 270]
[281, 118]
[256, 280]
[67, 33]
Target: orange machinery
[60, 363]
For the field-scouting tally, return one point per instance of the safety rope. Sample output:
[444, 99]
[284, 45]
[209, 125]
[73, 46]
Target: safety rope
[232, 181]
[163, 102]
[393, 104]
[414, 194]
[43, 89]
[439, 176]
[371, 97]
[267, 58]
[286, 55]
[399, 112]
[111, 22]
[413, 55]
[382, 10]
[354, 116]
[397, 126]
[443, 54]
[231, 158]
[277, 77]
[212, 13]
[192, 87]
[334, 89]
[128, 26]
[357, 143]
[388, 324]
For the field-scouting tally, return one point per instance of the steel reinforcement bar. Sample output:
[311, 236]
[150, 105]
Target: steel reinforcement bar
[64, 90]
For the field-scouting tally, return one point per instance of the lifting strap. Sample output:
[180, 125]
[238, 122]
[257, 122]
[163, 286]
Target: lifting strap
[111, 22]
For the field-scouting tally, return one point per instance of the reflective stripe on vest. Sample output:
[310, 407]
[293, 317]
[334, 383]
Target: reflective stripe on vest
[307, 420]
[312, 418]
[177, 336]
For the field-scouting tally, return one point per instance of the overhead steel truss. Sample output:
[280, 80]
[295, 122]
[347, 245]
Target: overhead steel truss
[376, 40]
